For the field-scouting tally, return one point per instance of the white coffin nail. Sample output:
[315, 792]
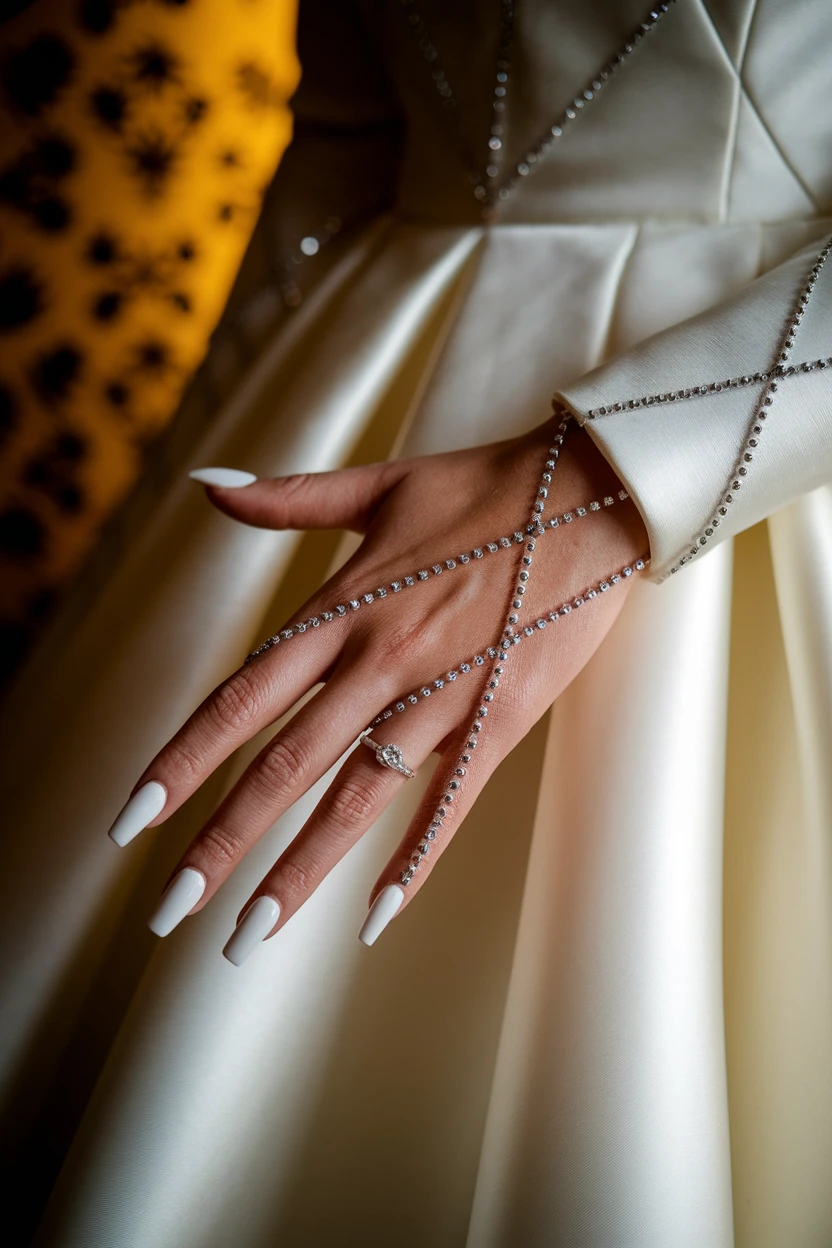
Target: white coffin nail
[144, 805]
[224, 478]
[382, 910]
[253, 928]
[178, 899]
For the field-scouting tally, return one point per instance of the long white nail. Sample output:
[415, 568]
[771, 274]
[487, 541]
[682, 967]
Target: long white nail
[382, 910]
[178, 899]
[258, 920]
[225, 478]
[144, 805]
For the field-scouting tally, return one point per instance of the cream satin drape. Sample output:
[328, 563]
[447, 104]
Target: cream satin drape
[573, 1079]
[607, 1022]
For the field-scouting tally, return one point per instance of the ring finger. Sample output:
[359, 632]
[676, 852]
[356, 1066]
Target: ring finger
[359, 794]
[292, 761]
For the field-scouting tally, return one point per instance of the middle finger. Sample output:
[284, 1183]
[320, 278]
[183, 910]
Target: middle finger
[295, 758]
[357, 797]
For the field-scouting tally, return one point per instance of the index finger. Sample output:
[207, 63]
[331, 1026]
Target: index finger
[252, 698]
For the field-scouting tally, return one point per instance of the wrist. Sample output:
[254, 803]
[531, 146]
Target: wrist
[585, 478]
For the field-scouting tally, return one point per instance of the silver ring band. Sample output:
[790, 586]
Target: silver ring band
[389, 755]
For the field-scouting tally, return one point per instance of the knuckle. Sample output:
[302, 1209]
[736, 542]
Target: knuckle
[221, 846]
[295, 877]
[283, 764]
[353, 804]
[235, 703]
[401, 639]
[287, 490]
[183, 761]
[295, 483]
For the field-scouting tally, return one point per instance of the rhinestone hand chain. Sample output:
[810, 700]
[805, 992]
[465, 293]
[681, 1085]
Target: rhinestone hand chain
[502, 649]
[436, 569]
[500, 653]
[534, 527]
[491, 652]
[510, 637]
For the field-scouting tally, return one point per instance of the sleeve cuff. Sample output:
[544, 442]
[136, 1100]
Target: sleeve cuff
[722, 419]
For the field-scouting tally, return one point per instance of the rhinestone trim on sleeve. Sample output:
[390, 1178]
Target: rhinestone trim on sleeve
[756, 426]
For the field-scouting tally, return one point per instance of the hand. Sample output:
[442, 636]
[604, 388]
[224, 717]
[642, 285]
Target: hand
[413, 514]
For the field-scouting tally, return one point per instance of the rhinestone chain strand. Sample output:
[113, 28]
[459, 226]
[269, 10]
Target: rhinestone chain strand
[710, 387]
[436, 569]
[746, 458]
[478, 660]
[535, 527]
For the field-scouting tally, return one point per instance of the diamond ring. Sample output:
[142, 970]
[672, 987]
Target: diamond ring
[389, 755]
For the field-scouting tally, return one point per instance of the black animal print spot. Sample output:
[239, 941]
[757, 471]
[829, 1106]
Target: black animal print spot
[152, 357]
[54, 373]
[107, 306]
[109, 106]
[117, 394]
[21, 297]
[54, 471]
[9, 416]
[33, 76]
[153, 66]
[14, 189]
[195, 110]
[53, 157]
[52, 214]
[102, 249]
[152, 158]
[71, 446]
[30, 183]
[22, 533]
[96, 16]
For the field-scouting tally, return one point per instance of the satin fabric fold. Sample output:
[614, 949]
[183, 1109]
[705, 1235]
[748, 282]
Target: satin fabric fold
[611, 1071]
[537, 1051]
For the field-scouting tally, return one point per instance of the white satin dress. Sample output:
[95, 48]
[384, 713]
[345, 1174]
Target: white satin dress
[607, 1023]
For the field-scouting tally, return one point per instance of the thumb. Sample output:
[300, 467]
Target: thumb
[346, 499]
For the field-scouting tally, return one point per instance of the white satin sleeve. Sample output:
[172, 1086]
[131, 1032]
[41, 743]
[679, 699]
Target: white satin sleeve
[722, 419]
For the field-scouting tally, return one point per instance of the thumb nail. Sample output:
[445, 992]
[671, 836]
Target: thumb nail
[223, 478]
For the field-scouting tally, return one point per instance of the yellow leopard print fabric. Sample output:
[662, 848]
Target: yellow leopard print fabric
[137, 139]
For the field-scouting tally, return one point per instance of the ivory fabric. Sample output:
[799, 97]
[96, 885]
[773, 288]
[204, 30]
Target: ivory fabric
[608, 1020]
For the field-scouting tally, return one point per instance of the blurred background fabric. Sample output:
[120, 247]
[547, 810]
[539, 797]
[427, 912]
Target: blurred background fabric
[136, 143]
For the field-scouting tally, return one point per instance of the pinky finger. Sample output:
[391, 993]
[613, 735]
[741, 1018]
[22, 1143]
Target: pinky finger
[462, 772]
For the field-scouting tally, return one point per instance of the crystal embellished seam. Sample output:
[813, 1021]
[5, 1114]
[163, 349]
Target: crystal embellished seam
[756, 425]
[488, 186]
[708, 387]
[527, 164]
